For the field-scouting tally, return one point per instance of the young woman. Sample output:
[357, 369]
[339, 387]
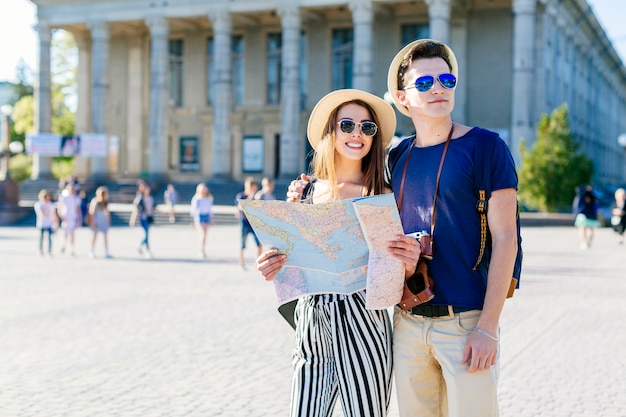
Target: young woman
[201, 212]
[100, 219]
[47, 219]
[143, 209]
[343, 349]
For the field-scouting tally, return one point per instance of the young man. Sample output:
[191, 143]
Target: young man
[446, 351]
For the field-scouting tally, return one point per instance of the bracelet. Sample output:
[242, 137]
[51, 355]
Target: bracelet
[481, 331]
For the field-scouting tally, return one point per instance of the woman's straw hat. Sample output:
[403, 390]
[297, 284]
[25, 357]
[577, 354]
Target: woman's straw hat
[385, 115]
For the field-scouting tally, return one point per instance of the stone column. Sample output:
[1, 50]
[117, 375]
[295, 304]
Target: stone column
[439, 15]
[222, 105]
[523, 75]
[291, 149]
[100, 36]
[83, 111]
[133, 145]
[159, 59]
[362, 17]
[43, 98]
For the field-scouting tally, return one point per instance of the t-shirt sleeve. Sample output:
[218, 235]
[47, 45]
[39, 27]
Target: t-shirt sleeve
[503, 172]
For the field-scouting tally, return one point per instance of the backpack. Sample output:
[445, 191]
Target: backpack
[482, 189]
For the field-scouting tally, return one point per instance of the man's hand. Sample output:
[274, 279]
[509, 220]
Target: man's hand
[480, 352]
[296, 188]
[269, 263]
[408, 250]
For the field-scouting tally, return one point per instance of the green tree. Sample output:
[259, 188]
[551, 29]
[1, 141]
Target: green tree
[553, 167]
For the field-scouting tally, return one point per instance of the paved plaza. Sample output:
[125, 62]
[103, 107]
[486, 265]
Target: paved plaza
[178, 336]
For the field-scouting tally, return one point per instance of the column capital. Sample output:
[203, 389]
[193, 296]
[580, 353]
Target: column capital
[158, 25]
[221, 19]
[99, 29]
[440, 8]
[524, 6]
[361, 7]
[290, 16]
[43, 30]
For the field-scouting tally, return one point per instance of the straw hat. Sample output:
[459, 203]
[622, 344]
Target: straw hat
[385, 115]
[392, 75]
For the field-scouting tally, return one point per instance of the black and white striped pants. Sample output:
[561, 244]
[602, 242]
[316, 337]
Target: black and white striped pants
[341, 349]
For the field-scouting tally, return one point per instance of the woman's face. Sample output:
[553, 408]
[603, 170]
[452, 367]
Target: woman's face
[354, 145]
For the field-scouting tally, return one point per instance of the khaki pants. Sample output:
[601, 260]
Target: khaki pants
[431, 381]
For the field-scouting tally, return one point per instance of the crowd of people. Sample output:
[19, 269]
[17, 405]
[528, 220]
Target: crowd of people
[70, 209]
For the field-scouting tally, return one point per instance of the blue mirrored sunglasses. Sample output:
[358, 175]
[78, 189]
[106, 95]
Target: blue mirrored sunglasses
[426, 82]
[348, 126]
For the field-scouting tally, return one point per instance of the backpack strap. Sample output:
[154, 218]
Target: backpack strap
[482, 189]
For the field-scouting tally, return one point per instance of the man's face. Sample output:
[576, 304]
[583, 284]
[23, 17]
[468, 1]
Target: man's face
[434, 103]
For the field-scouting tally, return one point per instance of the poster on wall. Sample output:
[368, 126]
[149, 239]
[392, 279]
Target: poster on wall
[252, 154]
[52, 144]
[189, 155]
[93, 145]
[43, 144]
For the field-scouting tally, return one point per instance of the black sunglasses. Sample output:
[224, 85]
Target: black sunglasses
[348, 126]
[426, 82]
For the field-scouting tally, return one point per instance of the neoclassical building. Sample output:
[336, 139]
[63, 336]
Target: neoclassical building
[189, 89]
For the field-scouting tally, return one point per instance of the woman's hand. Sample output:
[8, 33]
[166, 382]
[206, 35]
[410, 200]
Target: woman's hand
[296, 188]
[269, 263]
[407, 249]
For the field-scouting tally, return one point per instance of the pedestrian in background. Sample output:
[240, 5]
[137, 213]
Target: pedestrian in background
[68, 208]
[250, 188]
[100, 220]
[618, 214]
[267, 190]
[170, 197]
[143, 210]
[587, 217]
[202, 214]
[47, 220]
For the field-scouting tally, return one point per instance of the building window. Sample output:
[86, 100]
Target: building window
[274, 51]
[413, 31]
[176, 71]
[237, 69]
[237, 78]
[342, 58]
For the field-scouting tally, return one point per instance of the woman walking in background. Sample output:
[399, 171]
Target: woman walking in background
[100, 220]
[143, 209]
[47, 219]
[170, 197]
[202, 213]
[587, 217]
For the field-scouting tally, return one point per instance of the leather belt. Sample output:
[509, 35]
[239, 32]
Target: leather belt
[428, 310]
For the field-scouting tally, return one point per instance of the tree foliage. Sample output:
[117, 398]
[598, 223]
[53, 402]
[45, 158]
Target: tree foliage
[553, 167]
[63, 69]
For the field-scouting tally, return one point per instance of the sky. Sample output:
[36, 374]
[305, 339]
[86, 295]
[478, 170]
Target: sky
[18, 39]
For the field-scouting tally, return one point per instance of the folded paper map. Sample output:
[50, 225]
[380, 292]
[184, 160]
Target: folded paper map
[337, 247]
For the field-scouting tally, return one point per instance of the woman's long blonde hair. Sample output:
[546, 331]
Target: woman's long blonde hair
[372, 165]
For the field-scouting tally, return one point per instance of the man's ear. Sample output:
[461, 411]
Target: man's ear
[401, 94]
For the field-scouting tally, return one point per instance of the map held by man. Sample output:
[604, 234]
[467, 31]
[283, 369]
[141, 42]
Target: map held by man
[337, 247]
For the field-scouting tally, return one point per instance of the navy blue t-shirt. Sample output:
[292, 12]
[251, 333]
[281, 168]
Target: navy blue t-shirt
[456, 238]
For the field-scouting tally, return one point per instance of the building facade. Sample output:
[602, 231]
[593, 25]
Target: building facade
[190, 89]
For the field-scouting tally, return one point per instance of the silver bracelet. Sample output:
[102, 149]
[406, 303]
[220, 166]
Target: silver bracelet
[481, 331]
